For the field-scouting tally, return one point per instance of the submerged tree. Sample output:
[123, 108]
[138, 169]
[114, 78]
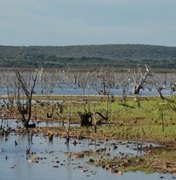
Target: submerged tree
[160, 83]
[25, 89]
[9, 101]
[106, 81]
[124, 84]
[139, 81]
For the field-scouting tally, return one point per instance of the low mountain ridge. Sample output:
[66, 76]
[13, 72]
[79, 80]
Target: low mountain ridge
[119, 56]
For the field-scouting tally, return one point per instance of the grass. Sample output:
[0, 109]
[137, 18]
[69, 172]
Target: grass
[125, 122]
[129, 120]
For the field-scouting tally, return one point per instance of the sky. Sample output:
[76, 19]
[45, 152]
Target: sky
[87, 22]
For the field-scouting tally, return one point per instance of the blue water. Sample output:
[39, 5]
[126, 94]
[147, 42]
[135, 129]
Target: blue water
[72, 89]
[54, 163]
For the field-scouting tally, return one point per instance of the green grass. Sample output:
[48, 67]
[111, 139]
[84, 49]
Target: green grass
[129, 121]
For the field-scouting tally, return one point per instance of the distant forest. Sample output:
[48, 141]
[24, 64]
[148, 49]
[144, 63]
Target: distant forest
[89, 56]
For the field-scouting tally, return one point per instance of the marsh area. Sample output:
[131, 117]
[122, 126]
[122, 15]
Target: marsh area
[57, 159]
[87, 125]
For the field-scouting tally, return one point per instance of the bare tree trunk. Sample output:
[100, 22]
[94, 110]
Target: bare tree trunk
[138, 85]
[124, 96]
[25, 108]
[160, 93]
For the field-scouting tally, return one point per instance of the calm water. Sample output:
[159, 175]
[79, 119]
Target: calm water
[75, 90]
[55, 164]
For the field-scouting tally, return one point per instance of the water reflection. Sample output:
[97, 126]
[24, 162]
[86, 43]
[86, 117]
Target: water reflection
[53, 163]
[70, 90]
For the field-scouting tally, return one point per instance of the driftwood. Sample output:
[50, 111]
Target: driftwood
[102, 116]
[105, 118]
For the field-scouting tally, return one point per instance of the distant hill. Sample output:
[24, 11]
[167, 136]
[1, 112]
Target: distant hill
[117, 56]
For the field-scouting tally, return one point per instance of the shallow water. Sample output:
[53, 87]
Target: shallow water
[54, 163]
[71, 90]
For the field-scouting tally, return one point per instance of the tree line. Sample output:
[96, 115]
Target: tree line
[80, 57]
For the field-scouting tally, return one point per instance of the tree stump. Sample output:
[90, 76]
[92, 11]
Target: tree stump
[85, 118]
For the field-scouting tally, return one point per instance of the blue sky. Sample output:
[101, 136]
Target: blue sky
[80, 22]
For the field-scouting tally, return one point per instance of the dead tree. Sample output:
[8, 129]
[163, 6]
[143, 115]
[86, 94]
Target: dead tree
[85, 118]
[159, 82]
[10, 101]
[159, 89]
[50, 114]
[25, 90]
[107, 81]
[172, 82]
[139, 79]
[85, 80]
[124, 82]
[103, 117]
[60, 110]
